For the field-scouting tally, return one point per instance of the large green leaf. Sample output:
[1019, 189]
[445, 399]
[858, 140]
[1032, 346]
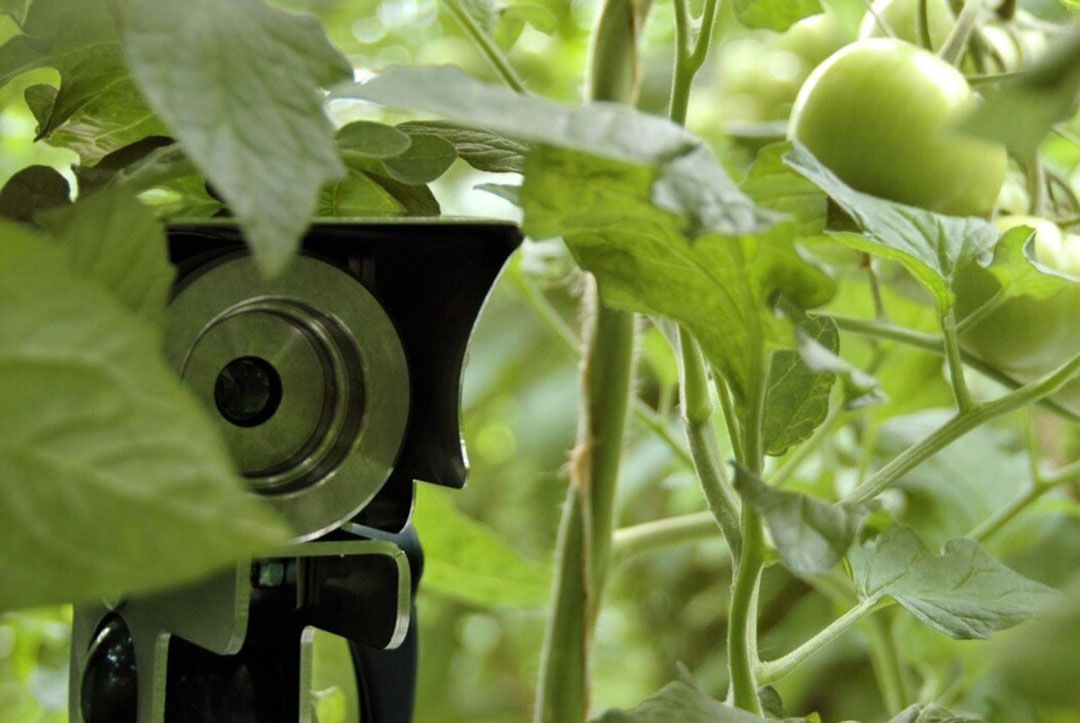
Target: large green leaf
[775, 186]
[113, 478]
[1020, 273]
[484, 150]
[237, 83]
[467, 561]
[963, 592]
[357, 196]
[690, 182]
[811, 535]
[797, 399]
[716, 286]
[115, 240]
[680, 701]
[97, 108]
[778, 15]
[1020, 114]
[931, 246]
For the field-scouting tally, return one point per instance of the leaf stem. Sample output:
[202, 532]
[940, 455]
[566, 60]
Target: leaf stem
[648, 537]
[486, 46]
[966, 22]
[923, 26]
[953, 361]
[773, 670]
[742, 618]
[885, 659]
[690, 54]
[960, 425]
[934, 344]
[1039, 487]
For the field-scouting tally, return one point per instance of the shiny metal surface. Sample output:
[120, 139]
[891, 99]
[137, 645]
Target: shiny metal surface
[307, 376]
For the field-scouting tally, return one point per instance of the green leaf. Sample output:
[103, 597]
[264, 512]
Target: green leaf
[482, 12]
[513, 19]
[482, 149]
[811, 535]
[467, 561]
[357, 196]
[680, 701]
[98, 107]
[1041, 662]
[115, 240]
[797, 399]
[1021, 113]
[929, 714]
[237, 83]
[114, 478]
[425, 160]
[778, 15]
[775, 186]
[1020, 273]
[860, 389]
[415, 200]
[963, 592]
[931, 246]
[135, 160]
[372, 140]
[690, 182]
[31, 190]
[716, 286]
[16, 9]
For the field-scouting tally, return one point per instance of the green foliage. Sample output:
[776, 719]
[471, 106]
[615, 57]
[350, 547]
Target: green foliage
[797, 397]
[776, 15]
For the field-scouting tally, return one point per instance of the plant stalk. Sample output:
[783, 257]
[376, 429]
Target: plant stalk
[953, 361]
[774, 670]
[966, 23]
[486, 45]
[671, 532]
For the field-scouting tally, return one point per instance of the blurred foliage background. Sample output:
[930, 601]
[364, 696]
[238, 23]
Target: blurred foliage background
[480, 647]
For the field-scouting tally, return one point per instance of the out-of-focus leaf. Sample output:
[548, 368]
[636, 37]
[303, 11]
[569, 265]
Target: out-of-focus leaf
[1042, 661]
[716, 286]
[811, 535]
[860, 389]
[1020, 273]
[683, 701]
[15, 8]
[931, 246]
[114, 239]
[372, 140]
[32, 190]
[114, 478]
[415, 200]
[355, 196]
[203, 67]
[778, 15]
[119, 161]
[929, 714]
[466, 561]
[775, 186]
[797, 400]
[1020, 114]
[482, 149]
[690, 182]
[963, 592]
[426, 158]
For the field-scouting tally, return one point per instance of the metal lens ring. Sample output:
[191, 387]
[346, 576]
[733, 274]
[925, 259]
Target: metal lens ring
[307, 377]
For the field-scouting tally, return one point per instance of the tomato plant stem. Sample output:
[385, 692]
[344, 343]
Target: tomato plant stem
[952, 359]
[690, 54]
[960, 425]
[648, 537]
[486, 46]
[742, 618]
[966, 22]
[923, 26]
[1039, 487]
[773, 670]
[885, 659]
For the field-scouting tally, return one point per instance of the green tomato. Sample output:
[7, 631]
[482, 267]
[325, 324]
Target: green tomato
[901, 17]
[1027, 337]
[879, 113]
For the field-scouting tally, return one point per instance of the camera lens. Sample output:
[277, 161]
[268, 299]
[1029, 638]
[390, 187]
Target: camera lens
[248, 391]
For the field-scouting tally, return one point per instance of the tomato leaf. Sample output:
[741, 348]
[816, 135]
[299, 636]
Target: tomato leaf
[690, 183]
[426, 158]
[114, 479]
[371, 140]
[32, 190]
[930, 245]
[811, 535]
[797, 400]
[467, 561]
[860, 389]
[1020, 273]
[1020, 114]
[778, 15]
[963, 592]
[17, 9]
[98, 107]
[716, 286]
[929, 714]
[115, 240]
[484, 150]
[775, 186]
[357, 196]
[216, 91]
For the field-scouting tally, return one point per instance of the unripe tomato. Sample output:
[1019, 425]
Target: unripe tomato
[1027, 337]
[879, 114]
[901, 17]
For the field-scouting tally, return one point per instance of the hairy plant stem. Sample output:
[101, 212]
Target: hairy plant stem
[960, 425]
[934, 344]
[585, 531]
[954, 363]
[486, 46]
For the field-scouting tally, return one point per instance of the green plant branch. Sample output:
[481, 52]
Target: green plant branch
[885, 659]
[560, 330]
[697, 410]
[953, 361]
[486, 46]
[649, 537]
[960, 425]
[1040, 486]
[984, 310]
[773, 670]
[923, 26]
[932, 343]
[966, 22]
[690, 54]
